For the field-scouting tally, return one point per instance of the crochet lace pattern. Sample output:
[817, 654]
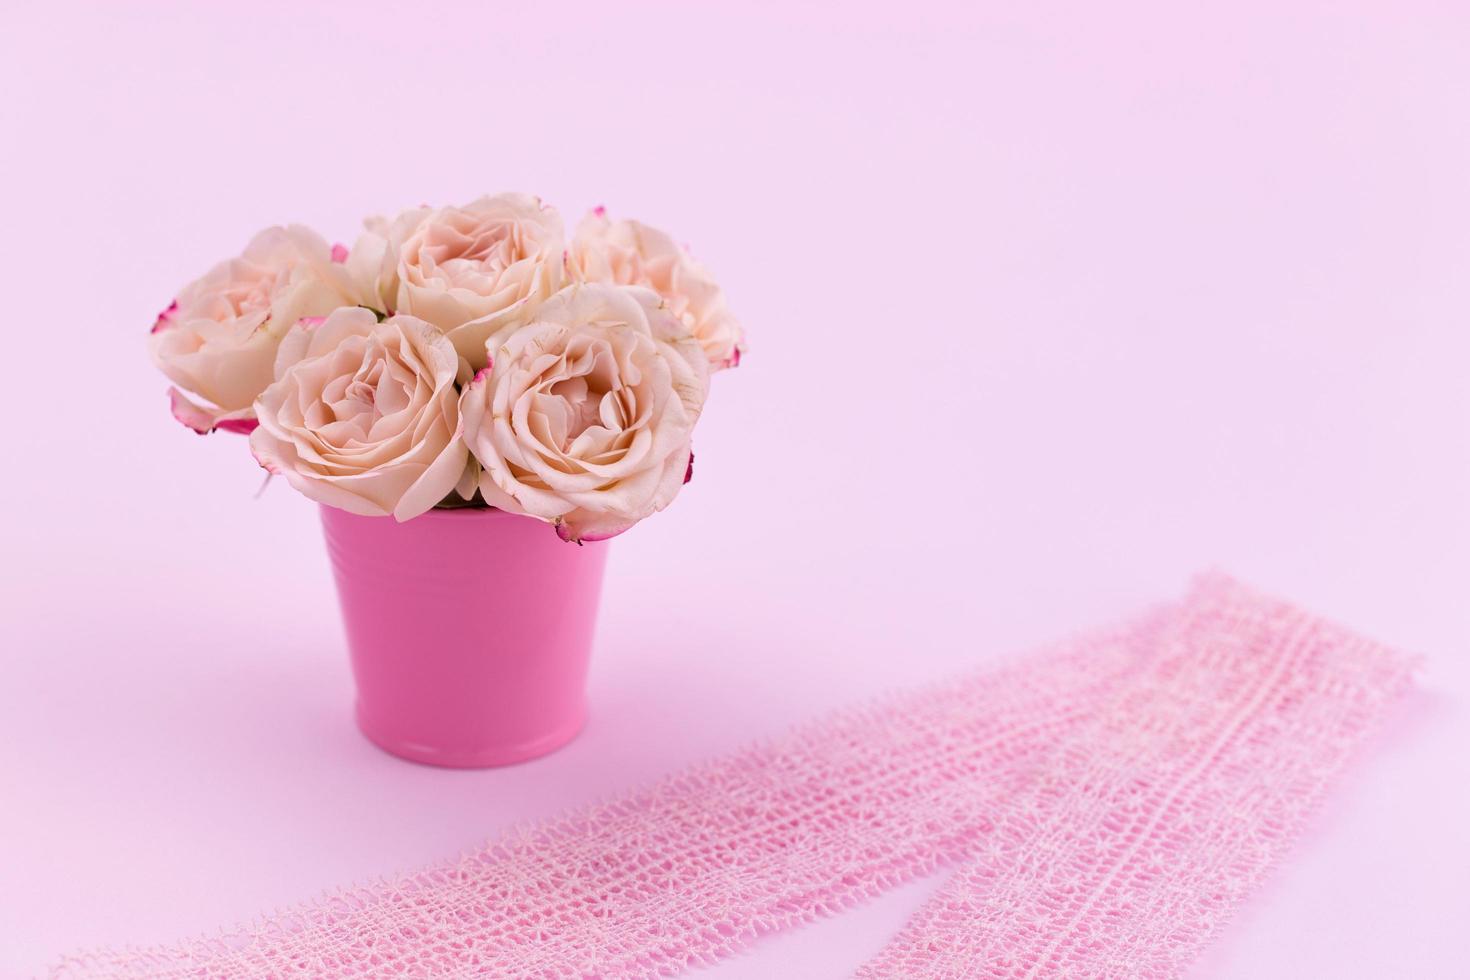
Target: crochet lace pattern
[1106, 803]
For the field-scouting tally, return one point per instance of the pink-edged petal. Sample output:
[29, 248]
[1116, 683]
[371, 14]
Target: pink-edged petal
[602, 536]
[339, 253]
[571, 535]
[689, 470]
[271, 467]
[205, 420]
[166, 318]
[242, 426]
[199, 419]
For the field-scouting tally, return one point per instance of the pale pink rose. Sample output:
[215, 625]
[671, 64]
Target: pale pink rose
[470, 271]
[217, 341]
[364, 415]
[584, 417]
[632, 253]
[373, 260]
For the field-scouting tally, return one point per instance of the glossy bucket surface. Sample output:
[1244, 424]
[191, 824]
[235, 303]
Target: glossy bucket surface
[469, 632]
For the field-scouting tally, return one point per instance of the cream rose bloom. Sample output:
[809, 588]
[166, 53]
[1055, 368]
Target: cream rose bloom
[470, 271]
[584, 417]
[364, 415]
[373, 260]
[632, 253]
[218, 339]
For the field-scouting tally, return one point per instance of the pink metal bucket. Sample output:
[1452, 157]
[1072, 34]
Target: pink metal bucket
[469, 632]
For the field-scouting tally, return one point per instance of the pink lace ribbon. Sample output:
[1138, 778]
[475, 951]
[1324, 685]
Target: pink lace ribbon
[1107, 802]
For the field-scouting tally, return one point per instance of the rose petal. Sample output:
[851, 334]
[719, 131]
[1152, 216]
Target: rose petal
[364, 414]
[205, 420]
[166, 317]
[629, 252]
[584, 420]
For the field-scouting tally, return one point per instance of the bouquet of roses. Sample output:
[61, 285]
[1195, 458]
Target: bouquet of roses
[459, 356]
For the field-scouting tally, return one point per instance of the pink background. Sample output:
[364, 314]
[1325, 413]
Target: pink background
[1048, 310]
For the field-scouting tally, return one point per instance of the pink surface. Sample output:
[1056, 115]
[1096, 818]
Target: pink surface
[469, 632]
[1104, 806]
[1046, 311]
